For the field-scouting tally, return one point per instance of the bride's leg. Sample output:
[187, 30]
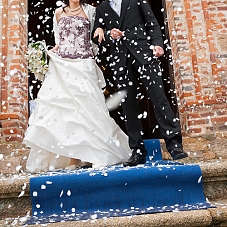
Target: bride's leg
[74, 161]
[73, 164]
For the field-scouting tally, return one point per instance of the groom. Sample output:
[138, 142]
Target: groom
[135, 40]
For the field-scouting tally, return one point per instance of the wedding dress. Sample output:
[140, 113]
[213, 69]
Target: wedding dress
[71, 119]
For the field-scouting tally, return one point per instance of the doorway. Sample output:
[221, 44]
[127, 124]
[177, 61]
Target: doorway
[40, 27]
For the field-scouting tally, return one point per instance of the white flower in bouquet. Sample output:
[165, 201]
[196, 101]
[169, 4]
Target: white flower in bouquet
[37, 59]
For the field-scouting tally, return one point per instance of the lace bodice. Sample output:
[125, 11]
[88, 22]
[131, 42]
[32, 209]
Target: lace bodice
[74, 34]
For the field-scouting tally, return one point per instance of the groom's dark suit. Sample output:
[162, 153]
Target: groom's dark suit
[132, 59]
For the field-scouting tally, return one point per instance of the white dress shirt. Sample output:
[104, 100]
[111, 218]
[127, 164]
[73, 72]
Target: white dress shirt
[116, 6]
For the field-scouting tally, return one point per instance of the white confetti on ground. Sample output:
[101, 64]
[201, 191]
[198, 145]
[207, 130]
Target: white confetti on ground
[199, 180]
[21, 194]
[43, 186]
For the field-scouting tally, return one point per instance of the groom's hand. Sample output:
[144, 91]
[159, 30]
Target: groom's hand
[116, 33]
[158, 51]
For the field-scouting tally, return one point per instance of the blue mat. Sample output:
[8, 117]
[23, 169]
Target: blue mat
[157, 186]
[153, 148]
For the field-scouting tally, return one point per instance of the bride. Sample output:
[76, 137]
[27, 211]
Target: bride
[71, 125]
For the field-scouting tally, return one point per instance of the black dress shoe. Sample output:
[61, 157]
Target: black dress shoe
[135, 160]
[178, 153]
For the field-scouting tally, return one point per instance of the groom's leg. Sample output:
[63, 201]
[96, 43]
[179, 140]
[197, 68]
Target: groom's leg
[130, 109]
[169, 125]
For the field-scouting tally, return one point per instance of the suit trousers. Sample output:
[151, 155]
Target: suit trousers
[151, 77]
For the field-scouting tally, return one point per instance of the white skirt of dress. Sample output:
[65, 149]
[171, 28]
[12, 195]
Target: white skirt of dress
[71, 119]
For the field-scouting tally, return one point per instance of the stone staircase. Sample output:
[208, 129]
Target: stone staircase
[15, 204]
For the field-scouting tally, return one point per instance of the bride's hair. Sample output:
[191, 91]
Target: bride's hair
[82, 2]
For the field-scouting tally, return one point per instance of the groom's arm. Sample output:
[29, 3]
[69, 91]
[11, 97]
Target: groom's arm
[151, 24]
[99, 23]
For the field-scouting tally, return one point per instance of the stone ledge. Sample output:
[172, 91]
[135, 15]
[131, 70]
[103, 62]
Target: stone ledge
[214, 179]
[199, 218]
[214, 168]
[11, 186]
[214, 217]
[219, 214]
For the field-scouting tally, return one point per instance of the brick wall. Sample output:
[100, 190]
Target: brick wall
[198, 36]
[14, 82]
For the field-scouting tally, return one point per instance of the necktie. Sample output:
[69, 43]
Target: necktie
[116, 6]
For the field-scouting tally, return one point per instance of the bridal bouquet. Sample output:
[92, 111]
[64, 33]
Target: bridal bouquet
[37, 59]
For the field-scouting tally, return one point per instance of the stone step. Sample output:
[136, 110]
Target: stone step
[213, 217]
[15, 204]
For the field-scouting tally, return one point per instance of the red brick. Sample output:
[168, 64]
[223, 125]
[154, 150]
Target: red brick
[13, 139]
[213, 57]
[193, 115]
[194, 130]
[207, 114]
[8, 124]
[8, 116]
[10, 131]
[219, 119]
[209, 102]
[198, 122]
[187, 81]
[194, 64]
[222, 8]
[189, 22]
[192, 103]
[188, 94]
[221, 112]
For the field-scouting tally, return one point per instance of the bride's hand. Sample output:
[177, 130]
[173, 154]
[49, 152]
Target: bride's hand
[99, 32]
[55, 48]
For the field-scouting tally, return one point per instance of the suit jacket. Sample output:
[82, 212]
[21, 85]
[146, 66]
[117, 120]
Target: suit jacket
[140, 27]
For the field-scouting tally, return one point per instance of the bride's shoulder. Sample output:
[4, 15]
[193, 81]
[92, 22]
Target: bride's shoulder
[88, 6]
[89, 10]
[58, 13]
[59, 10]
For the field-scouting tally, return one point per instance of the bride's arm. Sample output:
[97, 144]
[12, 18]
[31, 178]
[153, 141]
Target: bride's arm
[90, 11]
[107, 41]
[55, 28]
[55, 48]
